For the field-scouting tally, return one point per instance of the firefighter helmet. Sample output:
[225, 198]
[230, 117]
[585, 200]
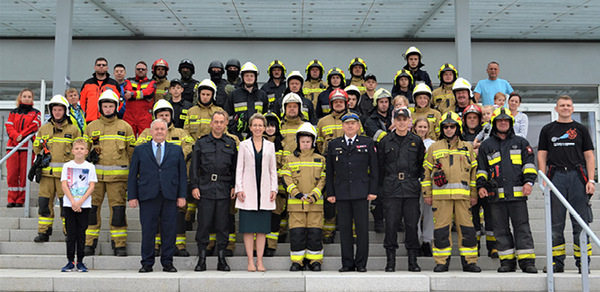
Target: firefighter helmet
[338, 93]
[352, 89]
[381, 93]
[447, 67]
[357, 61]
[276, 64]
[58, 100]
[162, 105]
[306, 129]
[295, 75]
[336, 71]
[314, 63]
[403, 73]
[461, 84]
[160, 62]
[421, 88]
[413, 50]
[249, 67]
[289, 98]
[207, 84]
[502, 113]
[472, 108]
[449, 118]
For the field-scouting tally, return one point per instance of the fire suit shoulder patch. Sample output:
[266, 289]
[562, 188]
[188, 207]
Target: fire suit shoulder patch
[529, 150]
[121, 133]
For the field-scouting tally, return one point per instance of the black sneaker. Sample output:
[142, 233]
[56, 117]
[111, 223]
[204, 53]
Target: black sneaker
[10, 205]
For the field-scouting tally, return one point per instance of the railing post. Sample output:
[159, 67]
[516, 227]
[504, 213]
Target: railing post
[583, 243]
[27, 182]
[43, 100]
[548, 221]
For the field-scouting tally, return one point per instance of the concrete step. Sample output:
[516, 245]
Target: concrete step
[273, 280]
[134, 248]
[238, 263]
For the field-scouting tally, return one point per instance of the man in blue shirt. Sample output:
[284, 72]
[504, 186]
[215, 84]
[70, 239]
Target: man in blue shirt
[487, 88]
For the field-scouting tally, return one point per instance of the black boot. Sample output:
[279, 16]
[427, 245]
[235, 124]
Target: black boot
[201, 265]
[442, 268]
[222, 262]
[471, 268]
[90, 250]
[390, 255]
[412, 261]
[120, 251]
[42, 237]
[269, 252]
[507, 266]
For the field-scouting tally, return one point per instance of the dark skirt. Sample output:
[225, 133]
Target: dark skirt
[255, 221]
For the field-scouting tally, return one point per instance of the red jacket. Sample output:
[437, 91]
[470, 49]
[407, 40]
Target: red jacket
[143, 94]
[23, 121]
[90, 92]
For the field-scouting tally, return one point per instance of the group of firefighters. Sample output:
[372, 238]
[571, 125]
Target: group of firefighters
[446, 175]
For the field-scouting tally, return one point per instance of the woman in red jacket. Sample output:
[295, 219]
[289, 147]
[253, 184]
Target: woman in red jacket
[22, 121]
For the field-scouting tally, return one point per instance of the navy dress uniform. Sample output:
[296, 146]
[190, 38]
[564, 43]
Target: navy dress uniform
[352, 174]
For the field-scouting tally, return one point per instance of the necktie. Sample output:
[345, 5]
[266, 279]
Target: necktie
[158, 153]
[350, 142]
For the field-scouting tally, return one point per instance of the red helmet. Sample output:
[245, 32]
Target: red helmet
[473, 108]
[338, 93]
[160, 62]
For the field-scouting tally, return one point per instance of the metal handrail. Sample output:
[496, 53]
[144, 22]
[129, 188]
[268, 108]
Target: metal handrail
[549, 186]
[27, 183]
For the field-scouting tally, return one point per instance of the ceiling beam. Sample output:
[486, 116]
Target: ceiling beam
[413, 32]
[118, 18]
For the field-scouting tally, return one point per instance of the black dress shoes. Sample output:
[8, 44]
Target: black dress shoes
[361, 269]
[145, 269]
[346, 269]
[169, 269]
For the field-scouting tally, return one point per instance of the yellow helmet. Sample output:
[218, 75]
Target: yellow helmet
[447, 67]
[314, 63]
[336, 71]
[357, 61]
[403, 73]
[502, 114]
[276, 64]
[451, 117]
[381, 93]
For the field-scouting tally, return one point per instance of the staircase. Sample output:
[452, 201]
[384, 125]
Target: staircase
[27, 266]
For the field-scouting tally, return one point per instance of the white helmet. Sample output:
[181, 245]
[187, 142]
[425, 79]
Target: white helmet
[413, 50]
[295, 75]
[58, 100]
[162, 104]
[307, 129]
[352, 88]
[108, 95]
[381, 93]
[289, 98]
[462, 84]
[249, 67]
[422, 88]
[208, 84]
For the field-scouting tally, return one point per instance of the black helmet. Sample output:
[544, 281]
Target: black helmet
[187, 63]
[233, 62]
[215, 64]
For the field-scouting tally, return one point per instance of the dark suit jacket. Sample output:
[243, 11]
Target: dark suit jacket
[147, 178]
[352, 172]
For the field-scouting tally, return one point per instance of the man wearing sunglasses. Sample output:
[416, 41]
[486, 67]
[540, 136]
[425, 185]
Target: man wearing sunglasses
[139, 99]
[93, 88]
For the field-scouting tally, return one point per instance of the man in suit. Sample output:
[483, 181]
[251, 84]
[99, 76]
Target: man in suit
[158, 183]
[352, 174]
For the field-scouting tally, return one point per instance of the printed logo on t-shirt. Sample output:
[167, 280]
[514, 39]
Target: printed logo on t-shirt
[77, 180]
[570, 134]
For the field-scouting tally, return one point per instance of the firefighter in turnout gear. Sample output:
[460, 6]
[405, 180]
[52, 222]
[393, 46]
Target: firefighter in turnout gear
[245, 101]
[506, 173]
[56, 136]
[160, 69]
[357, 70]
[276, 84]
[449, 187]
[422, 96]
[304, 177]
[197, 123]
[291, 107]
[314, 84]
[163, 110]
[443, 98]
[294, 85]
[111, 147]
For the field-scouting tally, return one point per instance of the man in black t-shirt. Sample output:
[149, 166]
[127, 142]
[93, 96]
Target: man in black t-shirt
[566, 153]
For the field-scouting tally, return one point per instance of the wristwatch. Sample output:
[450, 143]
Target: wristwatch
[530, 183]
[592, 181]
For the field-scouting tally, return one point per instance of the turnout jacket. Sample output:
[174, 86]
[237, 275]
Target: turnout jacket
[457, 160]
[508, 164]
[115, 140]
[304, 173]
[400, 165]
[59, 142]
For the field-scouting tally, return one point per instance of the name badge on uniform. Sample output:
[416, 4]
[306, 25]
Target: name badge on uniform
[96, 133]
[175, 138]
[68, 136]
[121, 133]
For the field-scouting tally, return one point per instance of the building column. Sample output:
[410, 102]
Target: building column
[62, 46]
[462, 38]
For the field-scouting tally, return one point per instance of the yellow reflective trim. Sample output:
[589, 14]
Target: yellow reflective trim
[529, 171]
[290, 188]
[507, 257]
[526, 256]
[516, 159]
[494, 161]
[439, 192]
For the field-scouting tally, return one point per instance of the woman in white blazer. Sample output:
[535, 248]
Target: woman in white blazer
[256, 189]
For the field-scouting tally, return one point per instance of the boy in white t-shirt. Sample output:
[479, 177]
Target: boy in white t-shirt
[78, 179]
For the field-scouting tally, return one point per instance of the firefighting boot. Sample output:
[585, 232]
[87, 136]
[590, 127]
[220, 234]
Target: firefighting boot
[390, 255]
[42, 237]
[412, 261]
[471, 268]
[507, 266]
[90, 250]
[222, 262]
[442, 268]
[201, 265]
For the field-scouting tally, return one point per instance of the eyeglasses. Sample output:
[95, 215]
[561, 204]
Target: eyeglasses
[449, 127]
[141, 69]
